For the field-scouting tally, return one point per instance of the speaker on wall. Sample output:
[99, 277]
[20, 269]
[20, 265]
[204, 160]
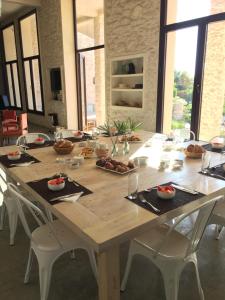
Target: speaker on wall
[55, 75]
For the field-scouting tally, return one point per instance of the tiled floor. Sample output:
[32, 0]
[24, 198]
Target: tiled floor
[73, 279]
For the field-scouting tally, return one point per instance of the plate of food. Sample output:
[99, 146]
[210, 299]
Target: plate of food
[39, 141]
[14, 155]
[131, 139]
[87, 152]
[114, 166]
[194, 151]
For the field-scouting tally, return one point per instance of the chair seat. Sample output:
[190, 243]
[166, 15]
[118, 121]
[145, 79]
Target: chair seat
[44, 240]
[175, 247]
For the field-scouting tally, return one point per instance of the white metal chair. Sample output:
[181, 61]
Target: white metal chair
[170, 250]
[7, 204]
[49, 241]
[30, 137]
[218, 217]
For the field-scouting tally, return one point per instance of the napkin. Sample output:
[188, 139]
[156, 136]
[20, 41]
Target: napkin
[72, 199]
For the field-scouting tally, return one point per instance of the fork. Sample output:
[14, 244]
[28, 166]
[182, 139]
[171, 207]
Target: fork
[144, 201]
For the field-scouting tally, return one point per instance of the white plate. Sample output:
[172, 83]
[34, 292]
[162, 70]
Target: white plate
[113, 171]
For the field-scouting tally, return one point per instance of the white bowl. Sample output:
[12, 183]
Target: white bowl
[166, 195]
[57, 187]
[217, 145]
[39, 142]
[79, 136]
[14, 157]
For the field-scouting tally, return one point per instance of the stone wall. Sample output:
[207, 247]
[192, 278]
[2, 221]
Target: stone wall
[132, 27]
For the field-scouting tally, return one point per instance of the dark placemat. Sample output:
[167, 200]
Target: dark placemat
[85, 137]
[208, 147]
[164, 205]
[25, 157]
[215, 172]
[35, 146]
[41, 187]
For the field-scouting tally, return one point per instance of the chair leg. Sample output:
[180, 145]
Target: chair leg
[49, 214]
[29, 266]
[45, 272]
[127, 270]
[171, 277]
[92, 259]
[2, 216]
[198, 280]
[219, 230]
[13, 218]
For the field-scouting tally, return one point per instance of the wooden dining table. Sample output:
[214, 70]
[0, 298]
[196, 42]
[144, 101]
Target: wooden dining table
[105, 219]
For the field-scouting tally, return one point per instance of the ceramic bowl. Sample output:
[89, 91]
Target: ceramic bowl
[217, 145]
[39, 141]
[78, 135]
[56, 184]
[163, 194]
[14, 155]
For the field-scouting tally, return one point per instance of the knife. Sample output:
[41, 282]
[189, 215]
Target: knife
[184, 189]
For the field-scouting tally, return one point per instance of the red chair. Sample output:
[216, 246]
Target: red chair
[9, 117]
[14, 129]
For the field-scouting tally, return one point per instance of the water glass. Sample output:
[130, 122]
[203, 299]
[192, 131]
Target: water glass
[206, 158]
[133, 185]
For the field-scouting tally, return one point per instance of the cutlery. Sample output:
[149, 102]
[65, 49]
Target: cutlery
[25, 164]
[72, 181]
[143, 200]
[66, 196]
[184, 189]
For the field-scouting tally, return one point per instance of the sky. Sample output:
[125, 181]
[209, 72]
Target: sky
[186, 39]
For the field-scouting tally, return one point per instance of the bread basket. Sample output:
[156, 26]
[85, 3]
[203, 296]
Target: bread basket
[193, 154]
[63, 150]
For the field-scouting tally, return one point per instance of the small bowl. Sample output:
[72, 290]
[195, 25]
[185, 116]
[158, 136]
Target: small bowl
[217, 145]
[39, 141]
[14, 155]
[78, 135]
[163, 194]
[56, 184]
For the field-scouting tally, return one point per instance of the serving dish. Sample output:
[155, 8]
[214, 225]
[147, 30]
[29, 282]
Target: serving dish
[78, 134]
[115, 166]
[39, 141]
[56, 184]
[14, 155]
[166, 192]
[116, 172]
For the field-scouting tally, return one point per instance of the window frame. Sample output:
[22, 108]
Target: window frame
[30, 59]
[10, 63]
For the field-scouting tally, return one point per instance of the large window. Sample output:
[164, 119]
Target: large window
[31, 63]
[11, 66]
[90, 57]
[191, 85]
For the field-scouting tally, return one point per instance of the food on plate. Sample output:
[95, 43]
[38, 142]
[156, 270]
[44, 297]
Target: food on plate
[56, 184]
[132, 138]
[39, 140]
[195, 148]
[14, 155]
[166, 191]
[114, 165]
[87, 152]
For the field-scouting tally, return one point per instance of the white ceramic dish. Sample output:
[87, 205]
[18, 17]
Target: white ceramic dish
[57, 187]
[166, 195]
[217, 145]
[14, 157]
[113, 171]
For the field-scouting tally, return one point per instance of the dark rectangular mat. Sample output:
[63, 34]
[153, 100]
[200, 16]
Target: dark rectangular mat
[215, 172]
[25, 157]
[35, 146]
[41, 187]
[208, 147]
[164, 205]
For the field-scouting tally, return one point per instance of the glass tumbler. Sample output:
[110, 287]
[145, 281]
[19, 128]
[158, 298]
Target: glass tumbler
[206, 158]
[133, 185]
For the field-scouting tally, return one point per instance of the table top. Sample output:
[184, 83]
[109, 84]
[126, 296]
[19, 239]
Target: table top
[105, 217]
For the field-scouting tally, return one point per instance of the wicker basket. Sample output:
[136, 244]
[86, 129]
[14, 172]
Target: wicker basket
[63, 151]
[193, 154]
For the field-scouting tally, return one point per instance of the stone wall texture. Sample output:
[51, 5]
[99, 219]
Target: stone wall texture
[132, 27]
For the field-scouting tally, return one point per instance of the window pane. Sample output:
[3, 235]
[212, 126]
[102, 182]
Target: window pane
[183, 10]
[28, 85]
[37, 85]
[16, 84]
[11, 96]
[29, 36]
[9, 43]
[179, 80]
[90, 23]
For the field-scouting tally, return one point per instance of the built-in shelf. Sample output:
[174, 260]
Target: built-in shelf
[127, 90]
[127, 82]
[127, 75]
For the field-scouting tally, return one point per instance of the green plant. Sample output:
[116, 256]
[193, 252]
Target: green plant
[132, 125]
[105, 128]
[121, 126]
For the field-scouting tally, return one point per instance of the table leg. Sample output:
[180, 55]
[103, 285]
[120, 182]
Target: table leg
[109, 274]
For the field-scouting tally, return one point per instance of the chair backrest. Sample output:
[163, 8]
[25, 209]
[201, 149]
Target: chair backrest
[30, 138]
[9, 115]
[35, 211]
[204, 212]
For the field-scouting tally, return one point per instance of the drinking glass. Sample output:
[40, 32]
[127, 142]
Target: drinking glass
[206, 158]
[132, 186]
